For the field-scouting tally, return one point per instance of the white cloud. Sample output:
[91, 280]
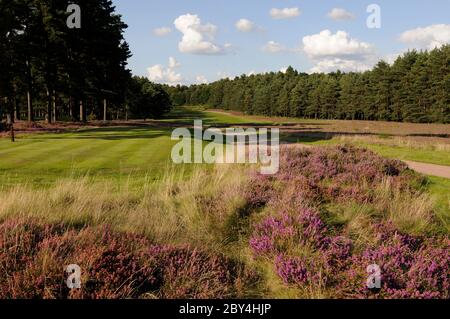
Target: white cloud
[392, 57]
[285, 13]
[225, 75]
[338, 51]
[161, 32]
[333, 64]
[201, 79]
[245, 25]
[273, 47]
[159, 74]
[194, 34]
[326, 44]
[339, 14]
[173, 63]
[429, 37]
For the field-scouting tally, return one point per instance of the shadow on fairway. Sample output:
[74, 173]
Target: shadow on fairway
[111, 133]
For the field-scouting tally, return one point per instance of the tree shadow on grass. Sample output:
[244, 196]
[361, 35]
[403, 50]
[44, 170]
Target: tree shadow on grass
[111, 133]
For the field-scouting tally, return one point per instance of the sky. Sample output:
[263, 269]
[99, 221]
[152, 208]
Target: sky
[200, 41]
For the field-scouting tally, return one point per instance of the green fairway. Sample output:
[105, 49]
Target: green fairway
[109, 152]
[439, 188]
[131, 153]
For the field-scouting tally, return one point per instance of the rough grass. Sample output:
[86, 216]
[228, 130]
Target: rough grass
[217, 212]
[119, 178]
[182, 207]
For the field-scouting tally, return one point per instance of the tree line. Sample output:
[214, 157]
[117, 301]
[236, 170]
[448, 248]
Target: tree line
[53, 72]
[415, 88]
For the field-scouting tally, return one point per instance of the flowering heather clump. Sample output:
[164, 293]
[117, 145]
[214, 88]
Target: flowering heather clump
[301, 245]
[337, 252]
[191, 273]
[292, 270]
[114, 265]
[260, 191]
[341, 173]
[273, 234]
[410, 268]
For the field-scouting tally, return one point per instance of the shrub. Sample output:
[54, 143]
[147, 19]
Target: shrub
[309, 254]
[114, 265]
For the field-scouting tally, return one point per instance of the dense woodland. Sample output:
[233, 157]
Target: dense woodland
[53, 72]
[416, 88]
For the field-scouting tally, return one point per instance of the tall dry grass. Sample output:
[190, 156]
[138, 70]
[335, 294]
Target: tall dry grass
[177, 209]
[222, 208]
[410, 212]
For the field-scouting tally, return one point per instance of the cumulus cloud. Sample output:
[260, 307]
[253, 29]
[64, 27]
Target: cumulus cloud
[160, 74]
[224, 75]
[339, 14]
[338, 51]
[201, 79]
[245, 25]
[285, 13]
[173, 63]
[429, 37]
[326, 44]
[392, 57]
[333, 64]
[273, 47]
[194, 34]
[161, 32]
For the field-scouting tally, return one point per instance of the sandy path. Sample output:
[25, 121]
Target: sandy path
[429, 169]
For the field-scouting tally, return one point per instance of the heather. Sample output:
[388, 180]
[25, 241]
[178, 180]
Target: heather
[303, 230]
[114, 265]
[309, 231]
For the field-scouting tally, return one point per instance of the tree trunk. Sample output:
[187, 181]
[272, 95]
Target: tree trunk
[49, 107]
[82, 117]
[104, 109]
[29, 94]
[13, 139]
[54, 105]
[16, 110]
[9, 110]
[70, 108]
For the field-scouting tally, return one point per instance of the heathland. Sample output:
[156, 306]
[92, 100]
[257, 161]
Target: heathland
[108, 199]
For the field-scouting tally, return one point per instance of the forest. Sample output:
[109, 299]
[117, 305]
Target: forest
[52, 72]
[415, 88]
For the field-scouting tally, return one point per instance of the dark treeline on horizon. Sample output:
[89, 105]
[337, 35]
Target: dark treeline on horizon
[51, 71]
[415, 88]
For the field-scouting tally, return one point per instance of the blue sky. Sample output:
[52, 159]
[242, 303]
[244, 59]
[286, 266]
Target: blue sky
[213, 46]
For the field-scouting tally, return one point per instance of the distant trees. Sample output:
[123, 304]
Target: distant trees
[415, 88]
[146, 99]
[53, 72]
